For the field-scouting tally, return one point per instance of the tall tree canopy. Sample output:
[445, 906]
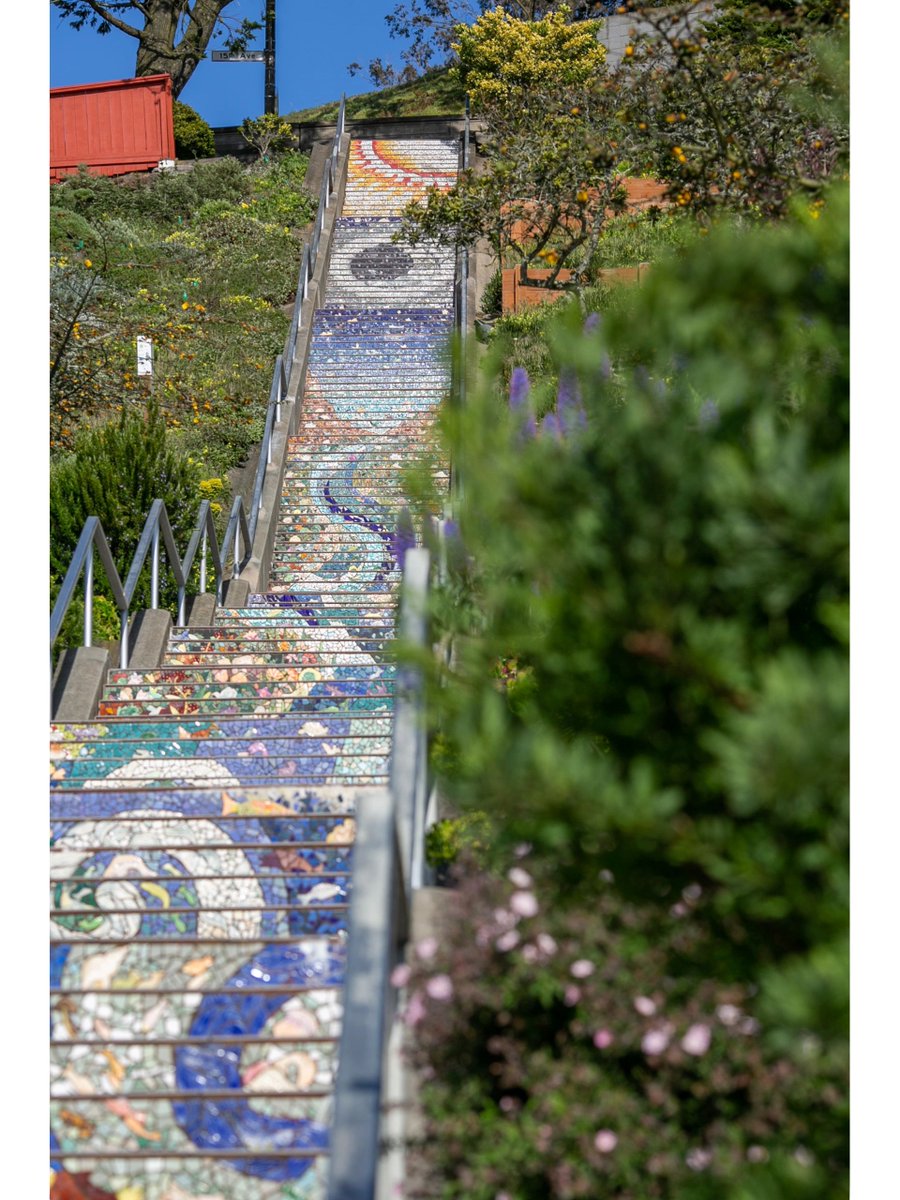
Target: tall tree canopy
[172, 35]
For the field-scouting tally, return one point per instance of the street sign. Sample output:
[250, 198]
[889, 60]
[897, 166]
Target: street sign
[247, 56]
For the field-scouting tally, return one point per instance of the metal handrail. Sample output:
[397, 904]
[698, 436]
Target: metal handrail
[388, 864]
[157, 532]
[378, 928]
[285, 361]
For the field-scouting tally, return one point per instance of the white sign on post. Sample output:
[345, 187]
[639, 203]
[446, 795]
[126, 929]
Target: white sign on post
[144, 356]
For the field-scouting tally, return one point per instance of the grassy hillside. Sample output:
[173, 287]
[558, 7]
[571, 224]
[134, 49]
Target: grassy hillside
[433, 95]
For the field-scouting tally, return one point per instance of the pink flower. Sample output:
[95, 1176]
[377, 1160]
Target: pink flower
[728, 1014]
[427, 948]
[572, 995]
[507, 1104]
[519, 878]
[606, 1141]
[522, 850]
[603, 1038]
[582, 968]
[656, 1041]
[524, 904]
[698, 1159]
[506, 941]
[400, 975]
[504, 918]
[415, 1010]
[696, 1040]
[440, 987]
[546, 944]
[530, 953]
[644, 1005]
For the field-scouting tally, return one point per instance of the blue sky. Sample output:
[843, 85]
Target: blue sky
[315, 41]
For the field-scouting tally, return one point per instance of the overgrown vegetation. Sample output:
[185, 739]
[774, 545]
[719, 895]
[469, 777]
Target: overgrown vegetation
[203, 263]
[649, 599]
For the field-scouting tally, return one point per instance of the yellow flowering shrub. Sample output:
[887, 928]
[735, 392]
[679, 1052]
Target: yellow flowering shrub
[500, 58]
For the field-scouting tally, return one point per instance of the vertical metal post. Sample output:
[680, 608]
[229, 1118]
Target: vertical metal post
[154, 570]
[235, 571]
[89, 597]
[203, 561]
[123, 639]
[271, 103]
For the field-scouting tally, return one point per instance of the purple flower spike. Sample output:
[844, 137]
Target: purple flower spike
[519, 387]
[569, 408]
[551, 425]
[592, 322]
[529, 430]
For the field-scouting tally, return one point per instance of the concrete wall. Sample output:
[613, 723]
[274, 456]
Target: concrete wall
[620, 29]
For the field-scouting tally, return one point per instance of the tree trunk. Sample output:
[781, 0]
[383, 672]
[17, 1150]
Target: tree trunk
[158, 50]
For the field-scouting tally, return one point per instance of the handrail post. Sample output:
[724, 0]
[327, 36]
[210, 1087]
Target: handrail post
[89, 598]
[203, 561]
[154, 570]
[123, 639]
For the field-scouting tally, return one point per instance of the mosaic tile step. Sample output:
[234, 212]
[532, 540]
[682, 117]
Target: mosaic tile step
[196, 1177]
[198, 688]
[316, 704]
[356, 726]
[314, 616]
[84, 1125]
[259, 630]
[380, 322]
[252, 674]
[331, 801]
[307, 579]
[166, 776]
[307, 602]
[314, 659]
[260, 641]
[113, 745]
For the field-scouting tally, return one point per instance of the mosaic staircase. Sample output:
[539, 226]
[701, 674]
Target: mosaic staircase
[203, 824]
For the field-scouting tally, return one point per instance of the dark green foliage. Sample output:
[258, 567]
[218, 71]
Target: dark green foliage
[115, 473]
[671, 583]
[492, 296]
[193, 136]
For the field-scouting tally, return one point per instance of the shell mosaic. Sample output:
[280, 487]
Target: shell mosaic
[202, 826]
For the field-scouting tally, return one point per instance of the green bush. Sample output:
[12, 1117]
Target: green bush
[115, 473]
[268, 135]
[193, 137]
[663, 555]
[492, 296]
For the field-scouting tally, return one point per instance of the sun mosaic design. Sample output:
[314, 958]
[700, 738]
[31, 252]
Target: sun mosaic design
[202, 827]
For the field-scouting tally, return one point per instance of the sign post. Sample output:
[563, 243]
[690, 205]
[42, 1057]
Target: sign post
[267, 56]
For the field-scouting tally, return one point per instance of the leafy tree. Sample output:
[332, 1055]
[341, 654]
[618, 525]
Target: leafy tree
[742, 111]
[549, 183]
[267, 134]
[172, 35]
[430, 27]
